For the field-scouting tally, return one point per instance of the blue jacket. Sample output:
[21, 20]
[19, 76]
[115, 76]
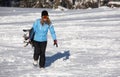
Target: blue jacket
[40, 31]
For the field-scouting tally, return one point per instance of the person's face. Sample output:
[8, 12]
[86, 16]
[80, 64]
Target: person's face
[44, 18]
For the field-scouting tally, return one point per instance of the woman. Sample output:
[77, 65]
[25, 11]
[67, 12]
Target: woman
[39, 33]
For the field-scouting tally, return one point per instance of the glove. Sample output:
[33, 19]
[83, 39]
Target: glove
[55, 43]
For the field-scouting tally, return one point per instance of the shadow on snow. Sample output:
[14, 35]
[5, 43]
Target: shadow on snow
[55, 57]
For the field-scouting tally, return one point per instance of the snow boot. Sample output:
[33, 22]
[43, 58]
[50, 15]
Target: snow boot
[35, 63]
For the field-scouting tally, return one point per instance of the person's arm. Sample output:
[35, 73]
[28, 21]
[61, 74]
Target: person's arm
[52, 31]
[31, 34]
[32, 31]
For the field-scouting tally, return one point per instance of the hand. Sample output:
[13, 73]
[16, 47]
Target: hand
[29, 40]
[55, 43]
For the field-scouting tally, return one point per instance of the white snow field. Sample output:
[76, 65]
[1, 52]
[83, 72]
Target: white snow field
[89, 43]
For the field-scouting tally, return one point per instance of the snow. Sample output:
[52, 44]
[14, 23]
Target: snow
[89, 43]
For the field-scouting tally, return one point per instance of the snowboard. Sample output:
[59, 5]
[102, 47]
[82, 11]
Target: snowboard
[26, 36]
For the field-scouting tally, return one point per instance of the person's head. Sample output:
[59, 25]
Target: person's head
[44, 15]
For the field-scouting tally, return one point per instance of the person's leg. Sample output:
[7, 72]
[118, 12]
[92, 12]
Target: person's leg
[36, 52]
[42, 54]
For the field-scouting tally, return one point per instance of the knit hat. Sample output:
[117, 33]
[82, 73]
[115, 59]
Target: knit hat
[44, 13]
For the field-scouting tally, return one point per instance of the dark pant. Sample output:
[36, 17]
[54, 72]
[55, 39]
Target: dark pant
[39, 52]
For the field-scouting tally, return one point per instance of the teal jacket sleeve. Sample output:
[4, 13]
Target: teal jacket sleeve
[52, 31]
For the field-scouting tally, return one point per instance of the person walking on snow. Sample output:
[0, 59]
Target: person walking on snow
[39, 34]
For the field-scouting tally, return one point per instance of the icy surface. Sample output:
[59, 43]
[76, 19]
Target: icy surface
[89, 43]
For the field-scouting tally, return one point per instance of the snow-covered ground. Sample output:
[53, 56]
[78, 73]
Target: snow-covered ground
[89, 43]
